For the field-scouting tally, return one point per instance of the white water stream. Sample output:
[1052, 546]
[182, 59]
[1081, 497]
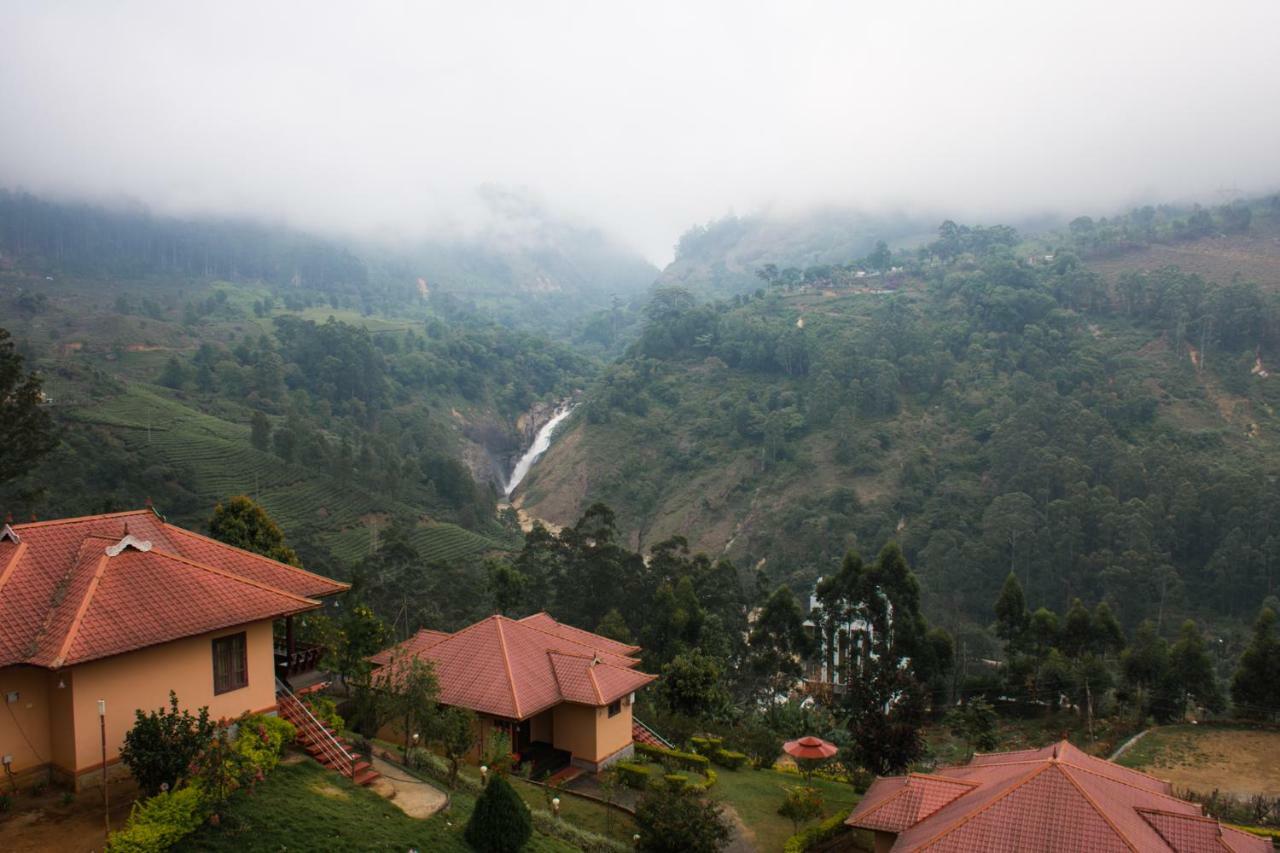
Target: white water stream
[540, 444]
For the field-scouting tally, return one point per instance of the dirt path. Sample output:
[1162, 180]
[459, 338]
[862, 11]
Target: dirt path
[743, 840]
[412, 796]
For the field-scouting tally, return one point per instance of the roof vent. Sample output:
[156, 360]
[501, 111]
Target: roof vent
[9, 533]
[129, 541]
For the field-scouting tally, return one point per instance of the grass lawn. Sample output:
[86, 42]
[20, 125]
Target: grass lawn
[586, 814]
[306, 807]
[756, 794]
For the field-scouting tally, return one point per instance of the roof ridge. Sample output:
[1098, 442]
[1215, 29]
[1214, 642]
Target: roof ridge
[933, 776]
[524, 624]
[947, 830]
[232, 575]
[595, 685]
[524, 620]
[1200, 817]
[79, 519]
[506, 662]
[12, 565]
[74, 630]
[1150, 776]
[1098, 809]
[182, 530]
[1123, 782]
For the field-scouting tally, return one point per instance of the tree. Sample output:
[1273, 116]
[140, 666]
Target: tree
[1012, 618]
[801, 804]
[161, 746]
[692, 683]
[245, 524]
[975, 721]
[877, 608]
[26, 430]
[455, 733]
[507, 586]
[359, 634]
[778, 643]
[174, 375]
[408, 691]
[1144, 667]
[500, 822]
[673, 819]
[880, 256]
[615, 627]
[1192, 670]
[1255, 687]
[260, 432]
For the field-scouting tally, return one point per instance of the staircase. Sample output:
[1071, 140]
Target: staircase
[641, 733]
[321, 742]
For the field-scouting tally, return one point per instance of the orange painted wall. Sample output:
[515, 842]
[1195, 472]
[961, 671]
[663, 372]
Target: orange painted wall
[575, 730]
[24, 725]
[62, 719]
[612, 733]
[143, 679]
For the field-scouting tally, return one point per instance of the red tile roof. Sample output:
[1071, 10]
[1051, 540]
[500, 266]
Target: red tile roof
[519, 668]
[1052, 799]
[69, 591]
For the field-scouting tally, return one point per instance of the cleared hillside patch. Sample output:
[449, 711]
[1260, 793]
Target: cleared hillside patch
[1235, 760]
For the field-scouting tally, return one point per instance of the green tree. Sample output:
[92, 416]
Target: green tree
[615, 627]
[500, 822]
[800, 805]
[260, 432]
[778, 643]
[1012, 618]
[1144, 667]
[1192, 670]
[26, 430]
[408, 690]
[692, 683]
[975, 721]
[161, 746]
[673, 819]
[174, 375]
[242, 523]
[455, 734]
[1255, 687]
[507, 586]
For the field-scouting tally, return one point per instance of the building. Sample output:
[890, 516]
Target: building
[558, 692]
[1052, 799]
[117, 610]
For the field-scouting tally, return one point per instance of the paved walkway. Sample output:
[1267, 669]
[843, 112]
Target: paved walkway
[411, 795]
[1124, 747]
[742, 840]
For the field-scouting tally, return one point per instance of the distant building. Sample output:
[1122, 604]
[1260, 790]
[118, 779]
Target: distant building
[1054, 800]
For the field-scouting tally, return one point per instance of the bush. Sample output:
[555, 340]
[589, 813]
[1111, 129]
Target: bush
[501, 822]
[801, 804]
[707, 745]
[729, 759]
[158, 823]
[633, 775]
[688, 760]
[814, 835]
[259, 742]
[675, 820]
[324, 709]
[160, 747]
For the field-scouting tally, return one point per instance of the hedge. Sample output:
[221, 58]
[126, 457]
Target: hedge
[159, 822]
[688, 760]
[729, 759]
[706, 745]
[816, 834]
[632, 775]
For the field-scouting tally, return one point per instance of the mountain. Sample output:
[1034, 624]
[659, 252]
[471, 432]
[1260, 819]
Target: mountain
[1000, 403]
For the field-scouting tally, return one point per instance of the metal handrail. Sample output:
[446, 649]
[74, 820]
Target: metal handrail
[327, 742]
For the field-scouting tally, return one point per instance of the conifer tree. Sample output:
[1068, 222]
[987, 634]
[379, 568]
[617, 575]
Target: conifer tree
[1255, 688]
[501, 822]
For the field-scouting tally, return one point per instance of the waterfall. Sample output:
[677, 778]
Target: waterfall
[540, 444]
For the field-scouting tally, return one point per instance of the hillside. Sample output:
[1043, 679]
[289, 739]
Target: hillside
[994, 412]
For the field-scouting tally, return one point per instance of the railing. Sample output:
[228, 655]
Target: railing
[305, 658]
[298, 713]
[660, 738]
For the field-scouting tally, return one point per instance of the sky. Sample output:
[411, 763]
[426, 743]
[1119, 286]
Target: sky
[642, 118]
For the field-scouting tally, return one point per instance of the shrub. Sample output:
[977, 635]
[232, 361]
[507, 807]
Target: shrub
[678, 779]
[688, 760]
[159, 822]
[160, 747]
[676, 820]
[814, 835]
[575, 836]
[6, 803]
[706, 745]
[801, 804]
[633, 775]
[324, 709]
[729, 759]
[501, 822]
[258, 745]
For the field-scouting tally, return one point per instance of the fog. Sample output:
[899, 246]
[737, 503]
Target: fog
[642, 118]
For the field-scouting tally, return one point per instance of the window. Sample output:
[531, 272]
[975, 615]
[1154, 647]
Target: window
[230, 663]
[615, 708]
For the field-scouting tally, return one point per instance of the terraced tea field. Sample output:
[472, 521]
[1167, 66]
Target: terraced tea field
[217, 460]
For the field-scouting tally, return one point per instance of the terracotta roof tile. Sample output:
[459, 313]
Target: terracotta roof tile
[516, 669]
[1057, 798]
[65, 598]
